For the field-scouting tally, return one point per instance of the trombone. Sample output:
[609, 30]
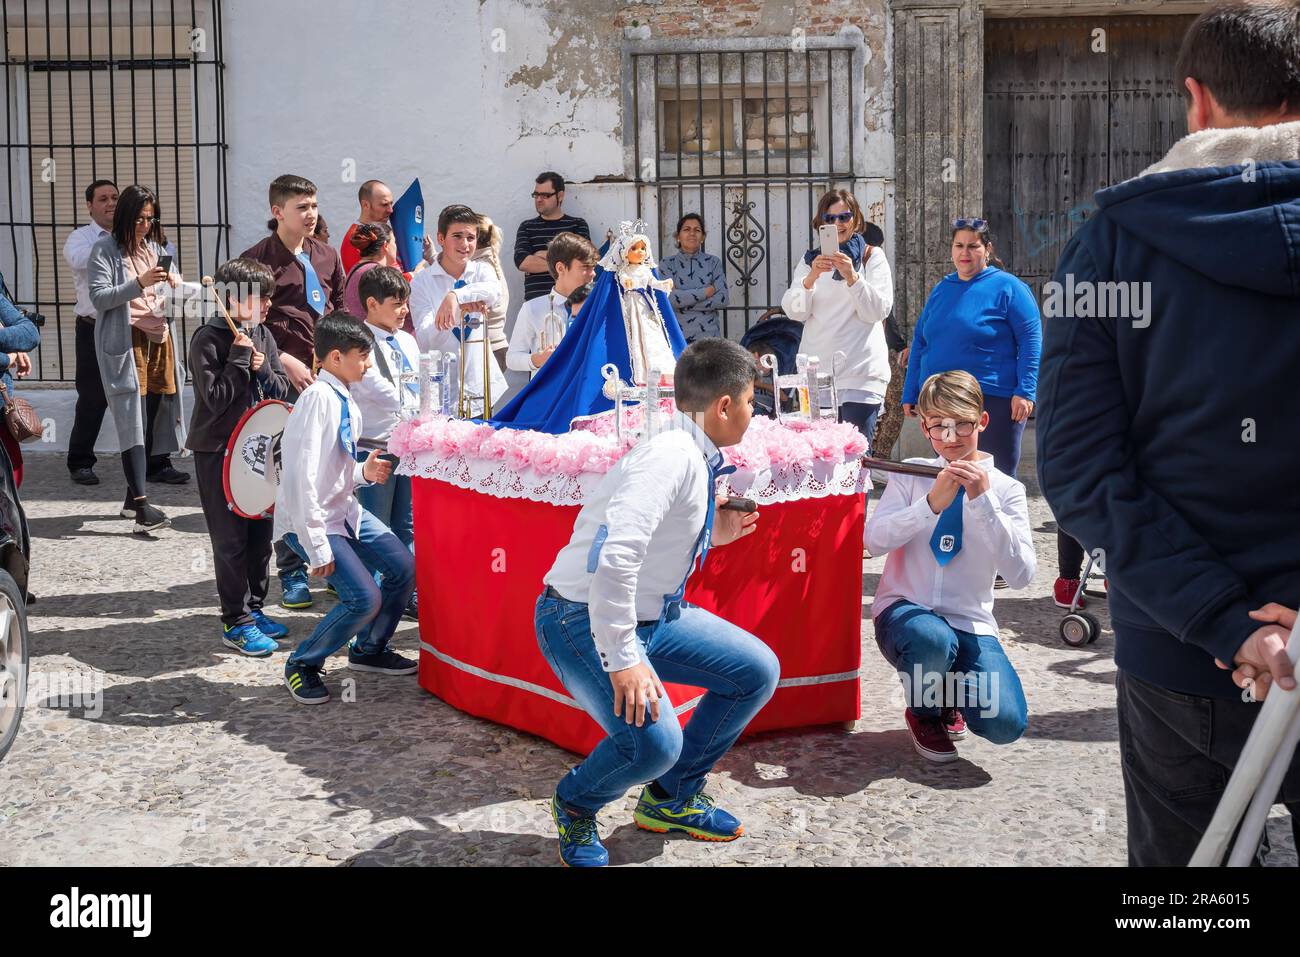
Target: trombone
[465, 404]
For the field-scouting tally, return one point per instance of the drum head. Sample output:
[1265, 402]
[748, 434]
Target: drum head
[252, 465]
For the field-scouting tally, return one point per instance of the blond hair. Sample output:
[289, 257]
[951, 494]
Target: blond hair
[489, 234]
[954, 392]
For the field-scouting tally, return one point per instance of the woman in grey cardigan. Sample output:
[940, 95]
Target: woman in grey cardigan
[133, 338]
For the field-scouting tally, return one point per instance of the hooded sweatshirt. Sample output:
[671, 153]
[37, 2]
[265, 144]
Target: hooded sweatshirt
[1168, 427]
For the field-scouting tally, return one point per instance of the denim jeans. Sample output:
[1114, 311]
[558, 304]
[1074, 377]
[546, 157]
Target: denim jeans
[369, 611]
[864, 416]
[391, 504]
[697, 648]
[1002, 437]
[942, 667]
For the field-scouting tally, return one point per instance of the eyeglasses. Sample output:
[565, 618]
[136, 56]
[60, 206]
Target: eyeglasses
[836, 217]
[964, 429]
[537, 195]
[146, 219]
[975, 224]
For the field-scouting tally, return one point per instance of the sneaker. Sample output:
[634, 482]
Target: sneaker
[248, 640]
[386, 662]
[148, 518]
[930, 738]
[1000, 582]
[272, 629]
[579, 841]
[697, 816]
[294, 590]
[169, 476]
[331, 590]
[304, 684]
[1063, 592]
[84, 476]
[953, 723]
[412, 610]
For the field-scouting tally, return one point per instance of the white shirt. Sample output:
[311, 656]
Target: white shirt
[76, 253]
[428, 288]
[382, 397]
[848, 319]
[995, 540]
[542, 314]
[648, 510]
[317, 476]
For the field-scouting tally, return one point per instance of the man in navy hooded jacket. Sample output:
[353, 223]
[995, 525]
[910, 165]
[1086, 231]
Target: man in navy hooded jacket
[1169, 433]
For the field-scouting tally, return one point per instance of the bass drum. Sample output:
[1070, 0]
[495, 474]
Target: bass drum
[251, 471]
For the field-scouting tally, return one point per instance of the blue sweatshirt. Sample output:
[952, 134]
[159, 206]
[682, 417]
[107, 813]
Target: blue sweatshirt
[987, 326]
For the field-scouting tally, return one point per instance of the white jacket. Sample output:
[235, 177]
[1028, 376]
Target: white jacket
[849, 319]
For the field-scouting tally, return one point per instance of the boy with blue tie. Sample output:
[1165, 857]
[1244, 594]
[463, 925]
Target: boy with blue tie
[612, 624]
[947, 538]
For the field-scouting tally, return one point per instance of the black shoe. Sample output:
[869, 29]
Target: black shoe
[412, 610]
[386, 662]
[84, 476]
[149, 518]
[169, 476]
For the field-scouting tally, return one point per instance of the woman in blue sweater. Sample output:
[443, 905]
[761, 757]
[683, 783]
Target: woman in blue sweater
[984, 321]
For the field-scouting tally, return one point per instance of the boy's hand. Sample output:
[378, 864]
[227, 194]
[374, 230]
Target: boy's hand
[324, 571]
[728, 525]
[944, 491]
[634, 689]
[376, 469]
[445, 318]
[299, 375]
[1262, 660]
[256, 362]
[241, 341]
[972, 478]
[539, 358]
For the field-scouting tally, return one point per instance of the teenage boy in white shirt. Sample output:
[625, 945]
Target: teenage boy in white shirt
[947, 538]
[383, 394]
[453, 283]
[318, 517]
[543, 321]
[612, 625]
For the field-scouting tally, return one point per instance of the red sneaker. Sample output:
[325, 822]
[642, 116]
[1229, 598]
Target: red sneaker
[930, 738]
[1064, 590]
[953, 723]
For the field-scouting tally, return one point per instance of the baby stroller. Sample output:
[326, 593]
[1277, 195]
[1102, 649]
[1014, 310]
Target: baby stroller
[780, 336]
[1079, 628]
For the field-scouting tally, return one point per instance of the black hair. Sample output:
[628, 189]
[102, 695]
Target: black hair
[986, 240]
[710, 369]
[689, 216]
[457, 213]
[130, 202]
[554, 178]
[1245, 53]
[342, 331]
[383, 282]
[97, 184]
[579, 295]
[242, 277]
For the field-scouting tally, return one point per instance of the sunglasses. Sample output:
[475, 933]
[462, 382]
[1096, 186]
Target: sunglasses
[146, 219]
[975, 224]
[836, 217]
[537, 195]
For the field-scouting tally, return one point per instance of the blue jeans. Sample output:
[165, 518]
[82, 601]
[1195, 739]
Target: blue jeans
[367, 610]
[391, 504]
[863, 415]
[942, 667]
[697, 648]
[1002, 437]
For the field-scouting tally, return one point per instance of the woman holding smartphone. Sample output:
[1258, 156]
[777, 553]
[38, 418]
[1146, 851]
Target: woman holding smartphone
[842, 291]
[129, 276]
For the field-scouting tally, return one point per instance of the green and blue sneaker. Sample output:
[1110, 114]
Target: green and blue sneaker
[304, 684]
[579, 843]
[295, 593]
[248, 640]
[268, 627]
[697, 816]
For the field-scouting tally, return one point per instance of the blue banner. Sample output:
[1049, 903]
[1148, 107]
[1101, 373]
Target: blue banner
[408, 226]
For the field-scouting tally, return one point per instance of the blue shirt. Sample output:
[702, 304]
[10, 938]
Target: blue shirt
[691, 275]
[987, 326]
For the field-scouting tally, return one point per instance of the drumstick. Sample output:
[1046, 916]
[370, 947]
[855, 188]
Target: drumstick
[737, 504]
[377, 444]
[208, 283]
[902, 468]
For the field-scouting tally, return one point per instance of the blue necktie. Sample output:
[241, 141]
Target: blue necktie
[705, 540]
[406, 364]
[311, 284]
[345, 426]
[946, 540]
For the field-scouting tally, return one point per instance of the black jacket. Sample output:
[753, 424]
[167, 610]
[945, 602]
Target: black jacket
[224, 386]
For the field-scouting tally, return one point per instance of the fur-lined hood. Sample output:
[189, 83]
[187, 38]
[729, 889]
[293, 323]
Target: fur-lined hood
[1231, 147]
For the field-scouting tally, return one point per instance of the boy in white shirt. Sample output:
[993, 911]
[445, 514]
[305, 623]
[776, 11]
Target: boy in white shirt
[318, 517]
[543, 321]
[611, 622]
[383, 394]
[947, 538]
[453, 284]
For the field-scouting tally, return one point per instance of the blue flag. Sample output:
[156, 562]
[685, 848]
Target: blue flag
[408, 226]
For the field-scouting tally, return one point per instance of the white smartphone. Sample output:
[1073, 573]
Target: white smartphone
[830, 240]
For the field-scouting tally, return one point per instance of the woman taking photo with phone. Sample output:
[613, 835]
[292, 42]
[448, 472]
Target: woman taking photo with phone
[129, 276]
[842, 291]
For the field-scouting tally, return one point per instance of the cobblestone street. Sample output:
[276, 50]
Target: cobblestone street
[200, 757]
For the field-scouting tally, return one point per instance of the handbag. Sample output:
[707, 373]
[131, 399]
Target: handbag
[20, 418]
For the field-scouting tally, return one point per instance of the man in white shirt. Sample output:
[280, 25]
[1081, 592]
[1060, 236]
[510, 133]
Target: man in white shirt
[318, 517]
[611, 622]
[101, 202]
[543, 321]
[947, 538]
[454, 286]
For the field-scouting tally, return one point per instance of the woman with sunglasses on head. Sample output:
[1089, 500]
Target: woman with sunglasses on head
[842, 301]
[984, 321]
[138, 358]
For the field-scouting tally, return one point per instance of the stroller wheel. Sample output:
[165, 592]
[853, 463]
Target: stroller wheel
[1094, 626]
[1077, 629]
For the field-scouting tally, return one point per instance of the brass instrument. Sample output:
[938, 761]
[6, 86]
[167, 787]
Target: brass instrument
[465, 405]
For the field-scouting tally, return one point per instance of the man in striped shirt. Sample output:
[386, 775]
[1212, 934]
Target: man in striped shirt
[535, 234]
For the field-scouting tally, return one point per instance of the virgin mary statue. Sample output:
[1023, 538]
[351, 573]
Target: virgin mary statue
[627, 320]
